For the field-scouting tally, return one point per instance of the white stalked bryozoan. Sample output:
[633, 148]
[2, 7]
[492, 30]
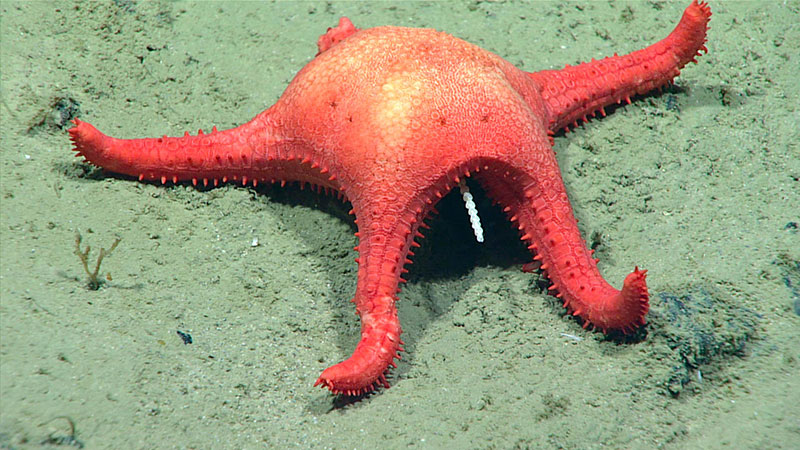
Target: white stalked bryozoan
[474, 220]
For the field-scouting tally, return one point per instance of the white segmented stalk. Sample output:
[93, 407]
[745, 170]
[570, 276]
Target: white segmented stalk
[471, 210]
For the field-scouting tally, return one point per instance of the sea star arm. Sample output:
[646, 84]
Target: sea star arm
[389, 210]
[254, 152]
[575, 92]
[537, 205]
[336, 34]
[385, 238]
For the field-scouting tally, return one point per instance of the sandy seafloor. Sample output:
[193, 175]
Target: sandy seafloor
[698, 185]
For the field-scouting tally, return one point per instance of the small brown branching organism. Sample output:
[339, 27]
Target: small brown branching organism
[94, 282]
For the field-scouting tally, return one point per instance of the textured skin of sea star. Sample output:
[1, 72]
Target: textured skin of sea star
[392, 118]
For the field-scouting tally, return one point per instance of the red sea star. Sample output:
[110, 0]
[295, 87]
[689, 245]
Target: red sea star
[393, 118]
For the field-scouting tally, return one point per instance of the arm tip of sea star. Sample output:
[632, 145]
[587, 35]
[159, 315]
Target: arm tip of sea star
[635, 298]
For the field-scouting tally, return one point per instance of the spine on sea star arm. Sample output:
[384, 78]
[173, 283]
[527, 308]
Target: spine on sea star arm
[573, 93]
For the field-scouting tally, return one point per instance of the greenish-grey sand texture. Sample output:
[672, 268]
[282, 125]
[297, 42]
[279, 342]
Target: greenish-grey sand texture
[698, 185]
